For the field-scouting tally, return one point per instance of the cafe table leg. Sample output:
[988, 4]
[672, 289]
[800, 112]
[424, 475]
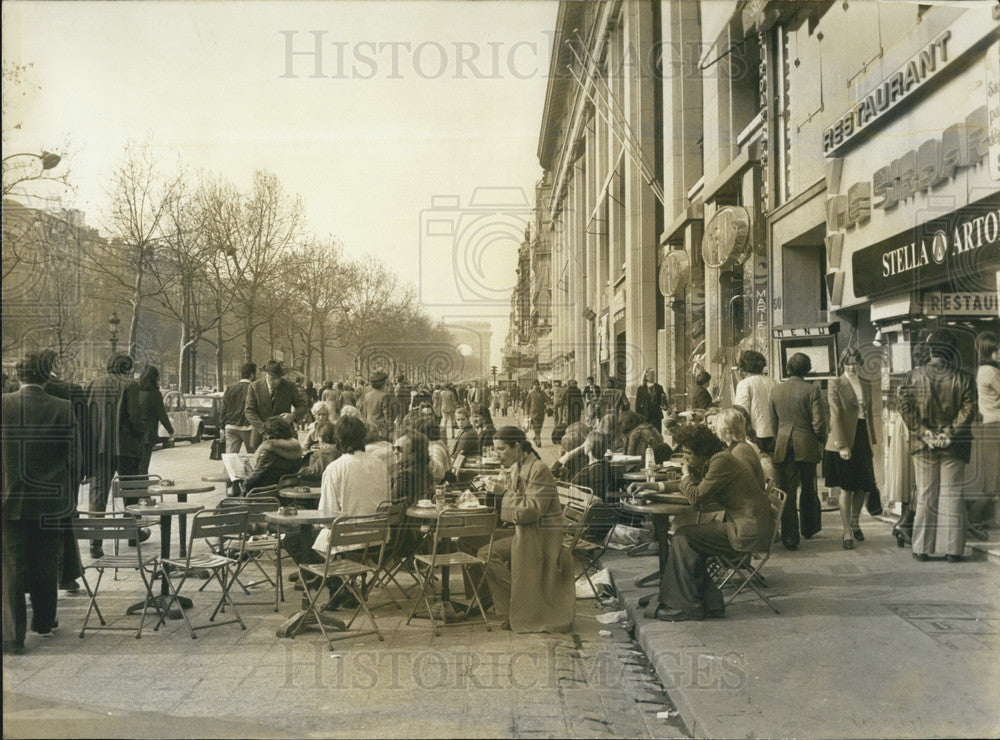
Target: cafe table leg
[183, 525]
[303, 616]
[160, 602]
[661, 532]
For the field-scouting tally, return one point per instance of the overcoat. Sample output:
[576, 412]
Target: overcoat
[542, 594]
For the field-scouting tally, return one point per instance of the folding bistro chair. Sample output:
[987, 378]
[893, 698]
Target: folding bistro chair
[209, 525]
[350, 537]
[114, 527]
[398, 553]
[127, 490]
[742, 570]
[257, 542]
[452, 525]
[586, 548]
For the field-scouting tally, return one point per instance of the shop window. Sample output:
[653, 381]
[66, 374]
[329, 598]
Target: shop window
[803, 290]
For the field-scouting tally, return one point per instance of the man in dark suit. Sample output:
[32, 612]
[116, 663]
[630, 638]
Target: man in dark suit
[591, 392]
[797, 414]
[70, 566]
[650, 400]
[270, 396]
[115, 432]
[41, 473]
[574, 402]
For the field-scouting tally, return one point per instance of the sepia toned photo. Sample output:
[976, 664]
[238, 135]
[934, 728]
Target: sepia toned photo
[505, 369]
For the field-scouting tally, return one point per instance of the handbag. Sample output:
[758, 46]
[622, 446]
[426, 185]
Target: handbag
[218, 447]
[874, 502]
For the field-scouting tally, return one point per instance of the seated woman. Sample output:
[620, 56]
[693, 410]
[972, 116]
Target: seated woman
[638, 433]
[411, 475]
[731, 428]
[466, 442]
[574, 457]
[482, 422]
[530, 575]
[325, 453]
[596, 475]
[321, 414]
[279, 454]
[687, 591]
[439, 462]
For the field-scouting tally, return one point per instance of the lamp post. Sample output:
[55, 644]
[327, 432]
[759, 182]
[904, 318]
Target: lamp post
[48, 159]
[113, 322]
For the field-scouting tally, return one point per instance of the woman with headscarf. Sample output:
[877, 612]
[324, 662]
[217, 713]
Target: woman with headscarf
[530, 575]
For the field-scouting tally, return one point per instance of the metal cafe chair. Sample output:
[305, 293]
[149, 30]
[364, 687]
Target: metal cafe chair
[596, 516]
[127, 490]
[351, 538]
[743, 570]
[209, 525]
[398, 553]
[257, 542]
[453, 525]
[114, 527]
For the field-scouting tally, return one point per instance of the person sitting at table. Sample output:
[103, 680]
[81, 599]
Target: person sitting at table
[322, 455]
[596, 475]
[482, 422]
[467, 440]
[731, 428]
[439, 462]
[716, 476]
[279, 454]
[574, 457]
[353, 484]
[411, 475]
[321, 415]
[530, 575]
[638, 434]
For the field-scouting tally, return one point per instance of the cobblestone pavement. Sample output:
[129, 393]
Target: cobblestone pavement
[232, 683]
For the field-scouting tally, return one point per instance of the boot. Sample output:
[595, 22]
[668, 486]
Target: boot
[902, 530]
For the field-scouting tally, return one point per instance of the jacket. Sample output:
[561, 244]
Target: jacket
[115, 417]
[535, 403]
[749, 519]
[259, 407]
[649, 403]
[754, 394]
[574, 404]
[797, 415]
[153, 414]
[845, 411]
[41, 455]
[273, 459]
[942, 399]
[234, 402]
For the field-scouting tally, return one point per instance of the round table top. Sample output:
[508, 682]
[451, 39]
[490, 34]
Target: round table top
[304, 516]
[432, 512]
[312, 494]
[654, 508]
[164, 508]
[179, 488]
[222, 477]
[640, 475]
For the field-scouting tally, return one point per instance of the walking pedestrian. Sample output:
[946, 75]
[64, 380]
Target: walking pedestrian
[238, 428]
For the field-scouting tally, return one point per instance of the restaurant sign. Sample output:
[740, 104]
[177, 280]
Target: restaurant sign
[980, 303]
[956, 247]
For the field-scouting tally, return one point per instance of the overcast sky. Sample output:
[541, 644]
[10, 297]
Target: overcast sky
[387, 134]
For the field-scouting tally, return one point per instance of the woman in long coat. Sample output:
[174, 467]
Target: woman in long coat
[530, 575]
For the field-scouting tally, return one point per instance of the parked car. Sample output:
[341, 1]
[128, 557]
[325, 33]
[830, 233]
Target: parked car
[206, 406]
[187, 422]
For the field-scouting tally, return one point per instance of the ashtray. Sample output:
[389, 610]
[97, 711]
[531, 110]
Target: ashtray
[166, 482]
[302, 489]
[288, 511]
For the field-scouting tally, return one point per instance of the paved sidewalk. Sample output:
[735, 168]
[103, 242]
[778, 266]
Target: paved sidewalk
[869, 643]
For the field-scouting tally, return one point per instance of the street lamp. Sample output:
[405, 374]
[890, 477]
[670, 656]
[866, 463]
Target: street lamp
[113, 322]
[48, 159]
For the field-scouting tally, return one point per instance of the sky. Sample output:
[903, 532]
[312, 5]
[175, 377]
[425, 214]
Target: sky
[411, 135]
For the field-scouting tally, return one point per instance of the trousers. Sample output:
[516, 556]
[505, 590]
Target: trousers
[107, 466]
[236, 438]
[685, 584]
[30, 561]
[939, 524]
[803, 507]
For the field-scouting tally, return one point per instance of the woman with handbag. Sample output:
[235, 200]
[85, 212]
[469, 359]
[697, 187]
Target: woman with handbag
[848, 451]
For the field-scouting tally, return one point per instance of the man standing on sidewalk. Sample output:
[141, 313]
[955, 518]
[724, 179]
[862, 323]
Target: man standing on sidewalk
[534, 409]
[558, 402]
[937, 403]
[238, 428]
[41, 473]
[115, 433]
[270, 396]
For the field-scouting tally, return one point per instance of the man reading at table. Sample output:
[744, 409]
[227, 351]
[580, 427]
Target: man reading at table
[687, 591]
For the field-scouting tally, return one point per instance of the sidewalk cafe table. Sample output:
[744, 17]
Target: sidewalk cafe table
[304, 520]
[447, 611]
[305, 496]
[181, 491]
[164, 510]
[660, 513]
[220, 477]
[639, 476]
